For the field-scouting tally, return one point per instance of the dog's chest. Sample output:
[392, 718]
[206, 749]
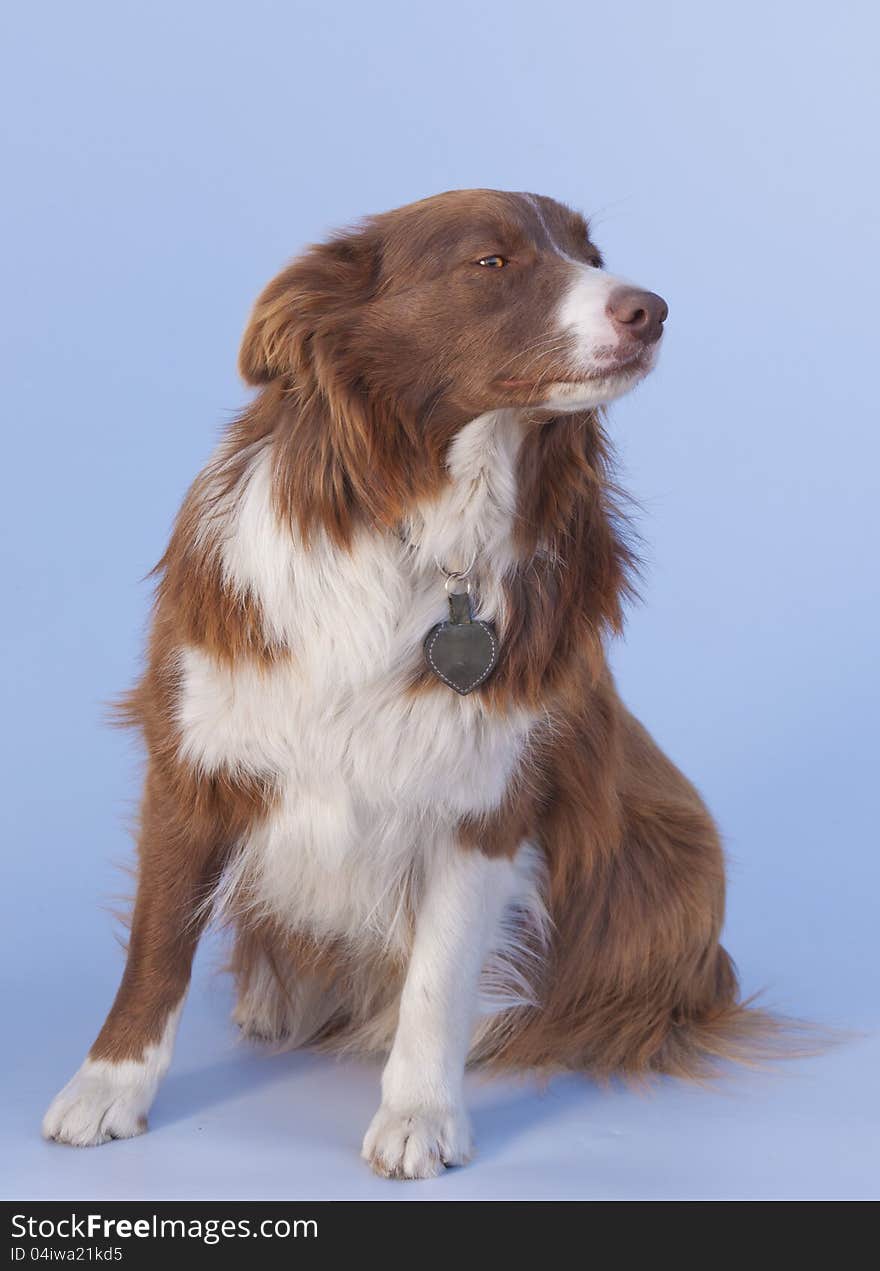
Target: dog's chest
[370, 776]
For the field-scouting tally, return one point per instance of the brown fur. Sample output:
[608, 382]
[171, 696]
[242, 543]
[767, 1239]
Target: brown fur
[363, 382]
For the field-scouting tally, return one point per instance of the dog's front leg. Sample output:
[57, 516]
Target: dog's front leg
[110, 1095]
[422, 1124]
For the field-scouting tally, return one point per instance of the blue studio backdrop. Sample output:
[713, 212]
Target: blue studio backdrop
[161, 161]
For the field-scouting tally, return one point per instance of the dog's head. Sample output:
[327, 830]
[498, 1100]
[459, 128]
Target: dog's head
[466, 302]
[374, 348]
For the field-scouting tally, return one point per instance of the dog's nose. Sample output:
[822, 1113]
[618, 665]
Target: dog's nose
[640, 314]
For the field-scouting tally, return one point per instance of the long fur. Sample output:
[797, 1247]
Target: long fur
[312, 785]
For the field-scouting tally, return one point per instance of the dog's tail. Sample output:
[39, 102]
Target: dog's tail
[637, 1031]
[738, 1032]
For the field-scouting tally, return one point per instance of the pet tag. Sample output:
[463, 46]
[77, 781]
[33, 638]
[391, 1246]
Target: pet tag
[462, 651]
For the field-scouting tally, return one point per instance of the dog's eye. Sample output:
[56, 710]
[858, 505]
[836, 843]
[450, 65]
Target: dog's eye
[492, 262]
[594, 260]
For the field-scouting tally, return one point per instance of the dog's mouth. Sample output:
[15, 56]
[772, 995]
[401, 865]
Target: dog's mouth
[613, 371]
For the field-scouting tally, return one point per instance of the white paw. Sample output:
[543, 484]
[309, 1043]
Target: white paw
[291, 1015]
[417, 1143]
[103, 1101]
[263, 1026]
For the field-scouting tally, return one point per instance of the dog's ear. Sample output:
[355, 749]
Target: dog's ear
[310, 302]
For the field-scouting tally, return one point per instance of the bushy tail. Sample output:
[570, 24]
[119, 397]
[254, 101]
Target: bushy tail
[737, 1033]
[639, 1032]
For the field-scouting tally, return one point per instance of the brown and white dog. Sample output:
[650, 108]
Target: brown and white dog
[516, 875]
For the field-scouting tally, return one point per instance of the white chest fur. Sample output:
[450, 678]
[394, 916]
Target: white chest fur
[370, 777]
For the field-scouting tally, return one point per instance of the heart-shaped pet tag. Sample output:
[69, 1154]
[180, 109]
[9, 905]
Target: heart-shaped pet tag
[461, 652]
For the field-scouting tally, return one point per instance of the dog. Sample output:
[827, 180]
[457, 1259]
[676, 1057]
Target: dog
[384, 744]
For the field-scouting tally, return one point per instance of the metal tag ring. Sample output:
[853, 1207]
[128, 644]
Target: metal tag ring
[455, 573]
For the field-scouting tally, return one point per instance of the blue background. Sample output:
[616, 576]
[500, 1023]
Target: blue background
[161, 162]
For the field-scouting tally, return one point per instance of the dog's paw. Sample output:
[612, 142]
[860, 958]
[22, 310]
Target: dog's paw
[103, 1101]
[261, 1032]
[417, 1143]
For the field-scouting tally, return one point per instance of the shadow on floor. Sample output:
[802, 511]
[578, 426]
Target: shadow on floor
[240, 1072]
